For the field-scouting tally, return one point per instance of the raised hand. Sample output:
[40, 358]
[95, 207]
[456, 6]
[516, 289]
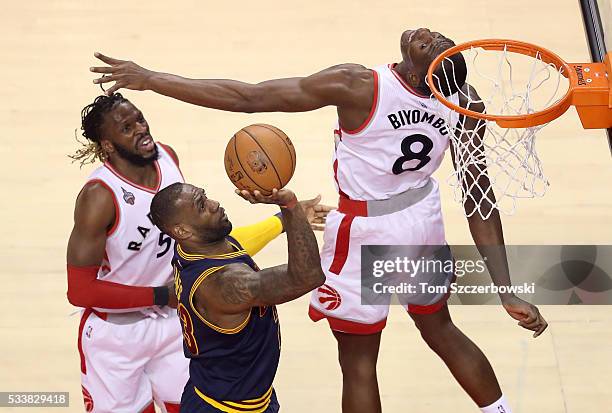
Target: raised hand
[124, 73]
[527, 314]
[316, 213]
[284, 198]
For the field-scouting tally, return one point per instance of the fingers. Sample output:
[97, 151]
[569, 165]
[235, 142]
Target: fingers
[315, 201]
[105, 79]
[541, 329]
[538, 325]
[530, 326]
[531, 316]
[256, 197]
[246, 195]
[102, 69]
[319, 208]
[106, 59]
[317, 227]
[115, 88]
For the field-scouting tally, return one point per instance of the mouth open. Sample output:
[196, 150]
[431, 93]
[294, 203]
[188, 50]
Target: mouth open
[146, 143]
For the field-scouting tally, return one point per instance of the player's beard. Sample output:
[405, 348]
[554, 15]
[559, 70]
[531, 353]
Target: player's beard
[216, 234]
[134, 158]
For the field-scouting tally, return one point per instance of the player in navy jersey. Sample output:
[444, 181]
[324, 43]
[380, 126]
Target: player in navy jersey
[226, 304]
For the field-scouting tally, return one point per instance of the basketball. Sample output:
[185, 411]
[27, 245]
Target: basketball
[260, 157]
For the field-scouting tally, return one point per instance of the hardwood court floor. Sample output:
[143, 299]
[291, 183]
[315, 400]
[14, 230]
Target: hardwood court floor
[47, 47]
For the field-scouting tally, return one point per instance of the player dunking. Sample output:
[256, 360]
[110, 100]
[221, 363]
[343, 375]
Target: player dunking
[226, 304]
[389, 140]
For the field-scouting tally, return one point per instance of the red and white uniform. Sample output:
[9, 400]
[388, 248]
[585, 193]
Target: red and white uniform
[130, 359]
[397, 148]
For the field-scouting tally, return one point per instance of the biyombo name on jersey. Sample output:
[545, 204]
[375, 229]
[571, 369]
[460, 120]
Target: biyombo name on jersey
[416, 116]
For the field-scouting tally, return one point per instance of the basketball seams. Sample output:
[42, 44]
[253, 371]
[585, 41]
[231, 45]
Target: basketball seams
[275, 131]
[242, 166]
[280, 181]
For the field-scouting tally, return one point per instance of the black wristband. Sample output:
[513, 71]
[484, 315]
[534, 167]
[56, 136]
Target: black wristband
[161, 296]
[280, 216]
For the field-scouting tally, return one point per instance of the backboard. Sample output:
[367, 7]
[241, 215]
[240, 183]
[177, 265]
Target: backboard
[597, 18]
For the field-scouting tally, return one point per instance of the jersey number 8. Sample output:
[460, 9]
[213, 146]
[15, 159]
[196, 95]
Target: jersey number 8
[409, 155]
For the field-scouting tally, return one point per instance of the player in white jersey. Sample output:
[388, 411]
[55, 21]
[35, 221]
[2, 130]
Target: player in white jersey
[130, 340]
[390, 138]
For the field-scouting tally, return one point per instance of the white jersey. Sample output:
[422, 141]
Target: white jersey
[398, 147]
[137, 252]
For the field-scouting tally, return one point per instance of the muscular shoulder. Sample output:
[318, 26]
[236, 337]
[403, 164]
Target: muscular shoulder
[229, 290]
[353, 72]
[346, 84]
[95, 204]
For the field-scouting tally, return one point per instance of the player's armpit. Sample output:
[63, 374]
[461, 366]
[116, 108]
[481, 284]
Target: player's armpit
[256, 236]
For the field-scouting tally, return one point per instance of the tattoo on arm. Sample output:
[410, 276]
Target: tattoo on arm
[237, 287]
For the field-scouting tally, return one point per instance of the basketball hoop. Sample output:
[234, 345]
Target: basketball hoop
[590, 87]
[523, 87]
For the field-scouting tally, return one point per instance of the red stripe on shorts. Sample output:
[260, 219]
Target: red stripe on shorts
[149, 409]
[84, 318]
[172, 407]
[346, 326]
[343, 239]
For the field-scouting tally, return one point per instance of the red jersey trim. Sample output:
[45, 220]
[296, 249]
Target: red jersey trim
[403, 82]
[115, 203]
[346, 326]
[174, 158]
[135, 185]
[336, 178]
[372, 109]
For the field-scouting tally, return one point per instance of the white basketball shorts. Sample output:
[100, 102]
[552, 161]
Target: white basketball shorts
[339, 299]
[126, 367]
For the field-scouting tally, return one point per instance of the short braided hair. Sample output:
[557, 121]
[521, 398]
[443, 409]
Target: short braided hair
[92, 117]
[163, 206]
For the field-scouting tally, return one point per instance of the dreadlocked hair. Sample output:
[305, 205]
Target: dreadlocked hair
[92, 117]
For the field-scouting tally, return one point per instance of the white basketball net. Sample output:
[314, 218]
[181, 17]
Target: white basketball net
[508, 84]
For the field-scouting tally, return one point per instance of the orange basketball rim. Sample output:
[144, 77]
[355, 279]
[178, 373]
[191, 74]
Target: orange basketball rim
[590, 87]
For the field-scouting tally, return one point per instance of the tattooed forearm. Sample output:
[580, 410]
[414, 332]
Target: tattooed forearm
[303, 272]
[237, 287]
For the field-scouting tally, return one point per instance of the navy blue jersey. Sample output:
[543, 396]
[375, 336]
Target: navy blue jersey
[230, 369]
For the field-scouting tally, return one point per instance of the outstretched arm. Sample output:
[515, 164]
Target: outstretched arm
[487, 233]
[236, 288]
[346, 85]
